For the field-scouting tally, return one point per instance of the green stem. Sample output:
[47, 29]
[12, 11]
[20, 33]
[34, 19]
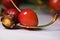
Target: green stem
[41, 26]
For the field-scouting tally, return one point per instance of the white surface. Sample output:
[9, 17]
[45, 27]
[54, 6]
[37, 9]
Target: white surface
[29, 35]
[51, 32]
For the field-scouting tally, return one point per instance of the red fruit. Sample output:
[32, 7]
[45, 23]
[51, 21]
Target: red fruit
[28, 17]
[12, 12]
[8, 4]
[55, 4]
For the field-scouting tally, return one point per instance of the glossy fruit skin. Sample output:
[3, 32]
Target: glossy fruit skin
[8, 4]
[28, 17]
[55, 4]
[11, 12]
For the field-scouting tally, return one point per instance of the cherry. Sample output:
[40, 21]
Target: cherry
[28, 17]
[8, 4]
[9, 18]
[11, 12]
[55, 4]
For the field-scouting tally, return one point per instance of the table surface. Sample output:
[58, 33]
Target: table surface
[51, 32]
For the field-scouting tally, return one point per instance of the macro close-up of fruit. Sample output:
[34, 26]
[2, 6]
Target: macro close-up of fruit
[9, 16]
[14, 16]
[28, 17]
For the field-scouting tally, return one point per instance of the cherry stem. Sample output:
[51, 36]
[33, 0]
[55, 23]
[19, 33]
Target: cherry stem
[15, 5]
[41, 26]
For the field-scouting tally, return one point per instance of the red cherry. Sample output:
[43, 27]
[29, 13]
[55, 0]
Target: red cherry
[8, 4]
[12, 12]
[55, 4]
[28, 17]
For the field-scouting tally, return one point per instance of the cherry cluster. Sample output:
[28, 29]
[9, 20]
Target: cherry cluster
[14, 17]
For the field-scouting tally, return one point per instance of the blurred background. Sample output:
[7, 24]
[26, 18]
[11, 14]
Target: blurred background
[31, 1]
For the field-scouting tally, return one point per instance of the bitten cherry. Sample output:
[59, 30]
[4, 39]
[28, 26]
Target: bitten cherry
[28, 17]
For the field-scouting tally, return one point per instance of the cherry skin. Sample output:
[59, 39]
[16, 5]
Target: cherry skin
[9, 18]
[28, 17]
[55, 4]
[11, 12]
[8, 4]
